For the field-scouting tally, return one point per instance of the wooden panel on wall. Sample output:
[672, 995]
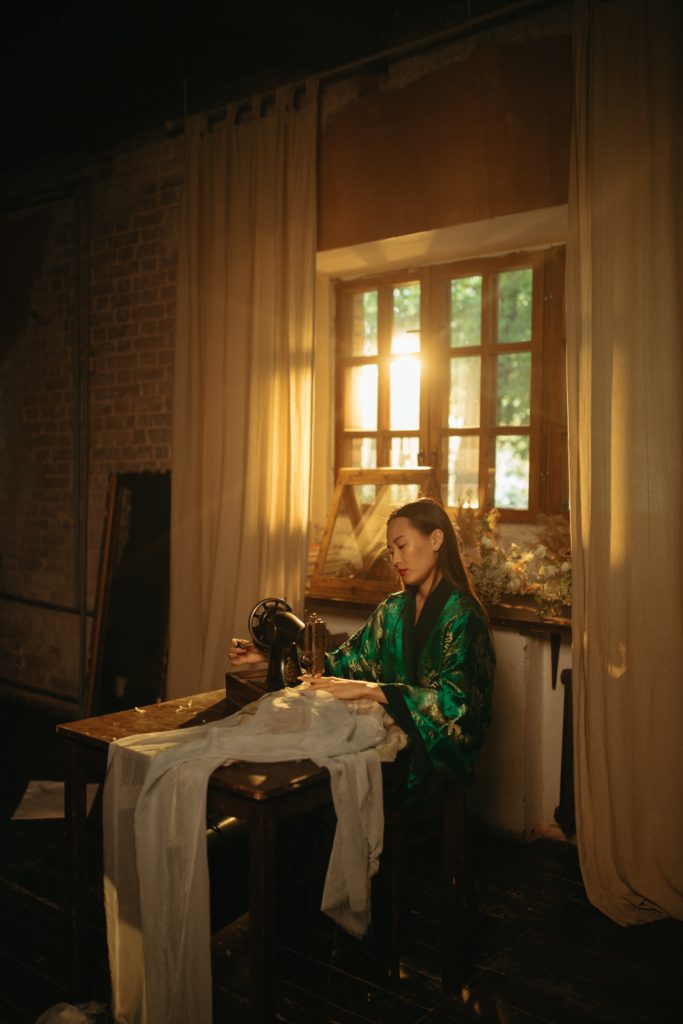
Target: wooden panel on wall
[481, 138]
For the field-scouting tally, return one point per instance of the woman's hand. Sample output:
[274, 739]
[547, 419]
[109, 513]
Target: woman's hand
[242, 652]
[346, 689]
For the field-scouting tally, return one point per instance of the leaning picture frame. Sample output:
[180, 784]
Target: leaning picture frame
[129, 637]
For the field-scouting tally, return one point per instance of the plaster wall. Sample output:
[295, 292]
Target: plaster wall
[518, 784]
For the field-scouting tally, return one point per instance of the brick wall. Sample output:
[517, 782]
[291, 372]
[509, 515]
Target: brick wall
[128, 305]
[37, 542]
[133, 290]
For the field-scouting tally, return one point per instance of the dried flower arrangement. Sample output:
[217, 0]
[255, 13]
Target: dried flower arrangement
[541, 569]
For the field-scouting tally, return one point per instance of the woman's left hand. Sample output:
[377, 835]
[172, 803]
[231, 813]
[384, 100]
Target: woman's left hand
[346, 689]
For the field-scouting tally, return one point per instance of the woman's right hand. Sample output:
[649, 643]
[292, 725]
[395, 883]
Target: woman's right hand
[243, 652]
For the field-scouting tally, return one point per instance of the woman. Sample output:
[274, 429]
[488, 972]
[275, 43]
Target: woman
[425, 652]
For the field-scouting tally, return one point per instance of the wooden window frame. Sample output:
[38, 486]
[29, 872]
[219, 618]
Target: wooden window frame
[547, 429]
[344, 360]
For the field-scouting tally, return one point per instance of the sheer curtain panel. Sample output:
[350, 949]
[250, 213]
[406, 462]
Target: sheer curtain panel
[243, 379]
[625, 379]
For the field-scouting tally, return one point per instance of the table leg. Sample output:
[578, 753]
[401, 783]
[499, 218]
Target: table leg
[262, 910]
[75, 819]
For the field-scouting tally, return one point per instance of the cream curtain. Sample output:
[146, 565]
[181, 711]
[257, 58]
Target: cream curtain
[243, 379]
[625, 381]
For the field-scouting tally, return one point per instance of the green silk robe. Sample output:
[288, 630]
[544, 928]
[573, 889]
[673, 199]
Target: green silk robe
[437, 677]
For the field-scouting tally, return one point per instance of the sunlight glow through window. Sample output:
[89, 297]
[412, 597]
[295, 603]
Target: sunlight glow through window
[404, 342]
[361, 398]
[405, 393]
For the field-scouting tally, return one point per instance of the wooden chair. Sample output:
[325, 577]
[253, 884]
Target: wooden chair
[456, 891]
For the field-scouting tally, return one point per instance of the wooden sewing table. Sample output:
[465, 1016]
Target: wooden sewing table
[259, 794]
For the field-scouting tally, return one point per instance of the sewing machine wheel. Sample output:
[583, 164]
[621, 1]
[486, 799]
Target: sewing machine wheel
[261, 626]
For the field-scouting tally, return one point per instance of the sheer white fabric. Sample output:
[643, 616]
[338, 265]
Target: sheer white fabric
[625, 379]
[156, 881]
[243, 387]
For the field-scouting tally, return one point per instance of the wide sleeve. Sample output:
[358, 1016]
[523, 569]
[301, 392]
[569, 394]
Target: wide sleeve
[359, 657]
[451, 705]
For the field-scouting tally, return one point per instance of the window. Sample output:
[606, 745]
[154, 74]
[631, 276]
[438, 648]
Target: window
[459, 366]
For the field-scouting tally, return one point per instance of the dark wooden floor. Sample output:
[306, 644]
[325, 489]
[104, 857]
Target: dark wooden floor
[543, 953]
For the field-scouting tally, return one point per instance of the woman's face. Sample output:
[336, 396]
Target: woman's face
[413, 554]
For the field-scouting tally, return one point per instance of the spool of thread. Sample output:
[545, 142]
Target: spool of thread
[315, 635]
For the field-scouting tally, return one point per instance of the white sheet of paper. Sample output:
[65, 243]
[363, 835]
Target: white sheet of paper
[45, 799]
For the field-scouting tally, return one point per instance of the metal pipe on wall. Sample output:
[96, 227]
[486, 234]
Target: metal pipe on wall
[470, 26]
[36, 602]
[81, 426]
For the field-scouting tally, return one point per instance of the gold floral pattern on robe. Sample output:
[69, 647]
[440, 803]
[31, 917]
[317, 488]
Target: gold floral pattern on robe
[444, 701]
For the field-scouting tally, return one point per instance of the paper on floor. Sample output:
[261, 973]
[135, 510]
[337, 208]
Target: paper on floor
[45, 799]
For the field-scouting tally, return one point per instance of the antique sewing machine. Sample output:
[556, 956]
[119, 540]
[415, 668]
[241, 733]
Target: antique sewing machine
[293, 647]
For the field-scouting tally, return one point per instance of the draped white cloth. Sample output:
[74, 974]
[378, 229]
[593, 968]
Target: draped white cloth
[625, 380]
[156, 881]
[243, 379]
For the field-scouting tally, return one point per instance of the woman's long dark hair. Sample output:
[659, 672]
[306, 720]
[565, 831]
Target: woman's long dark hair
[427, 515]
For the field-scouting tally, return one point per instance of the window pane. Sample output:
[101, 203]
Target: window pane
[400, 494]
[465, 393]
[360, 398]
[361, 452]
[364, 324]
[514, 305]
[466, 311]
[404, 452]
[404, 404]
[405, 331]
[512, 472]
[344, 557]
[462, 460]
[513, 391]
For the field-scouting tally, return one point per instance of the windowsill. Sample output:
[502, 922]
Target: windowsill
[533, 229]
[515, 613]
[521, 614]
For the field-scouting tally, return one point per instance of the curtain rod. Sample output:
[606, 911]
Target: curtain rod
[465, 28]
[445, 35]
